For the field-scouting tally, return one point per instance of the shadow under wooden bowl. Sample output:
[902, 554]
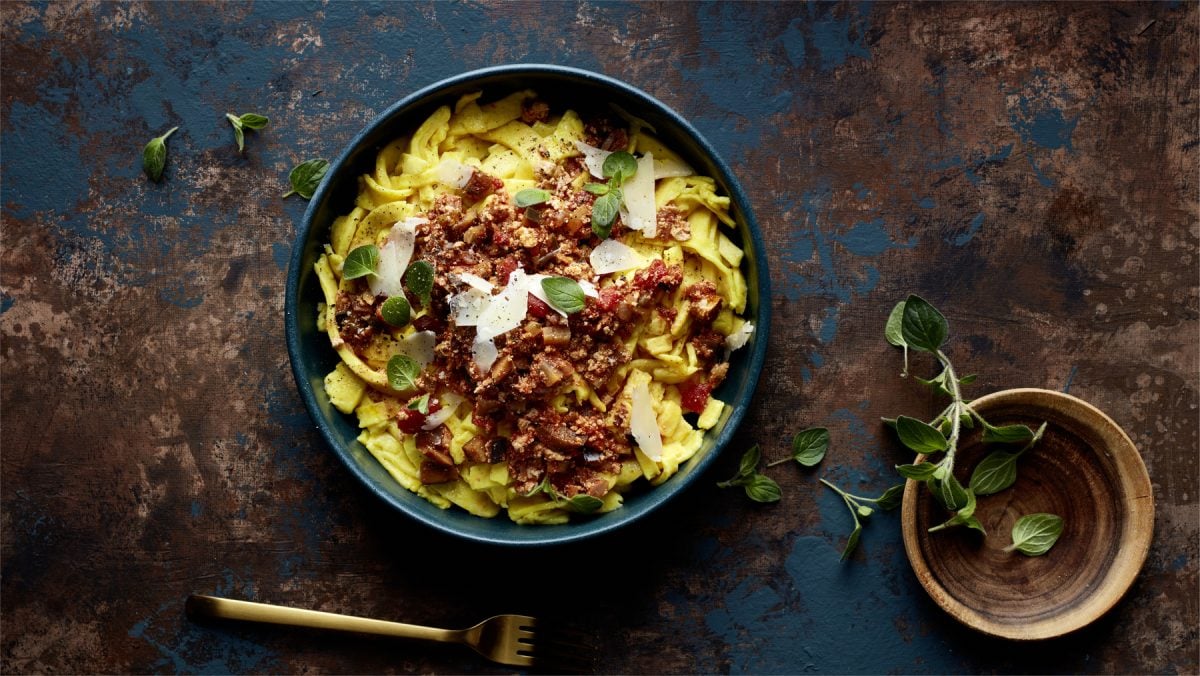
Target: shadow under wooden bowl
[1086, 470]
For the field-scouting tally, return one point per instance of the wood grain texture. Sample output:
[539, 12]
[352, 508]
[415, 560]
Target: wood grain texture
[1084, 470]
[1031, 169]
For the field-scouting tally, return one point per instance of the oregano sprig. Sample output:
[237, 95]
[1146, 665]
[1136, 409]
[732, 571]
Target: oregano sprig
[888, 500]
[251, 121]
[758, 487]
[618, 168]
[914, 323]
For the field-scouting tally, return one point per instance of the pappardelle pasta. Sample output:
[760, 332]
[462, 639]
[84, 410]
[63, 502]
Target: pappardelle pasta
[531, 306]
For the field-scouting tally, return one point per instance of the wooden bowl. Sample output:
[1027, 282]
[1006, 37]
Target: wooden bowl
[1086, 470]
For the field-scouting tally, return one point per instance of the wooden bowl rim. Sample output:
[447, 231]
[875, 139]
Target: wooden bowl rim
[1136, 535]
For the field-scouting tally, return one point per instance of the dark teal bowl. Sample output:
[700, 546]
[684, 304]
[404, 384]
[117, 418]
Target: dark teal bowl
[312, 357]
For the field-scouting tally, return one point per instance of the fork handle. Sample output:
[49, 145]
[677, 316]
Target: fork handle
[229, 609]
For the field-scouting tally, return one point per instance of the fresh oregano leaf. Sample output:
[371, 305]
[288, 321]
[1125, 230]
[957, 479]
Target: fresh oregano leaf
[253, 121]
[973, 523]
[596, 188]
[919, 436]
[361, 262]
[950, 493]
[245, 121]
[402, 373]
[964, 517]
[584, 503]
[891, 498]
[306, 177]
[420, 404]
[747, 468]
[922, 472]
[922, 326]
[395, 311]
[968, 379]
[809, 446]
[852, 541]
[563, 293]
[761, 488]
[1035, 534]
[893, 333]
[864, 511]
[620, 166]
[749, 463]
[994, 473]
[530, 196]
[154, 156]
[604, 212]
[418, 279]
[1008, 434]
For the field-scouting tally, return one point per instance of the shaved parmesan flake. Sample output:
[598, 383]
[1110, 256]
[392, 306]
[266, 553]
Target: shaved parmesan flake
[643, 424]
[484, 353]
[666, 167]
[449, 402]
[613, 256]
[638, 210]
[594, 158]
[454, 173]
[589, 289]
[506, 311]
[466, 307]
[475, 282]
[738, 338]
[419, 347]
[394, 257]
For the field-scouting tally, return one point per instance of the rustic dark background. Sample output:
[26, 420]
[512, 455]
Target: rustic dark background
[1029, 168]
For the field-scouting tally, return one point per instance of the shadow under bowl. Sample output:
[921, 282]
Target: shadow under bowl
[1085, 470]
[312, 357]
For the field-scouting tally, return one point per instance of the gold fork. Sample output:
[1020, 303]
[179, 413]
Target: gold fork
[508, 639]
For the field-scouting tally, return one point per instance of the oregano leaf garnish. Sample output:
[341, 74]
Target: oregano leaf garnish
[564, 293]
[306, 176]
[420, 404]
[919, 436]
[894, 335]
[808, 447]
[530, 196]
[418, 279]
[584, 503]
[402, 373]
[252, 121]
[361, 262]
[922, 326]
[604, 212]
[395, 311]
[618, 167]
[1035, 534]
[758, 487]
[154, 156]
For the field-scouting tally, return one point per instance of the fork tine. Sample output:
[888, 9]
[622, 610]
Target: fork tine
[559, 648]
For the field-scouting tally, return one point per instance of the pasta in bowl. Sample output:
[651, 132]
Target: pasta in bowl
[534, 302]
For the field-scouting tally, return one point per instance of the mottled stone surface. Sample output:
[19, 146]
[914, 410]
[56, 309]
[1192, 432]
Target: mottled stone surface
[1031, 169]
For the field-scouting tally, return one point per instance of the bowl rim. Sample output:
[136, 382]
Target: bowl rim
[1136, 537]
[648, 502]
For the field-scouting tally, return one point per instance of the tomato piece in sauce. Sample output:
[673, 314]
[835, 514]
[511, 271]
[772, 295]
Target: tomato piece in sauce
[538, 308]
[693, 395]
